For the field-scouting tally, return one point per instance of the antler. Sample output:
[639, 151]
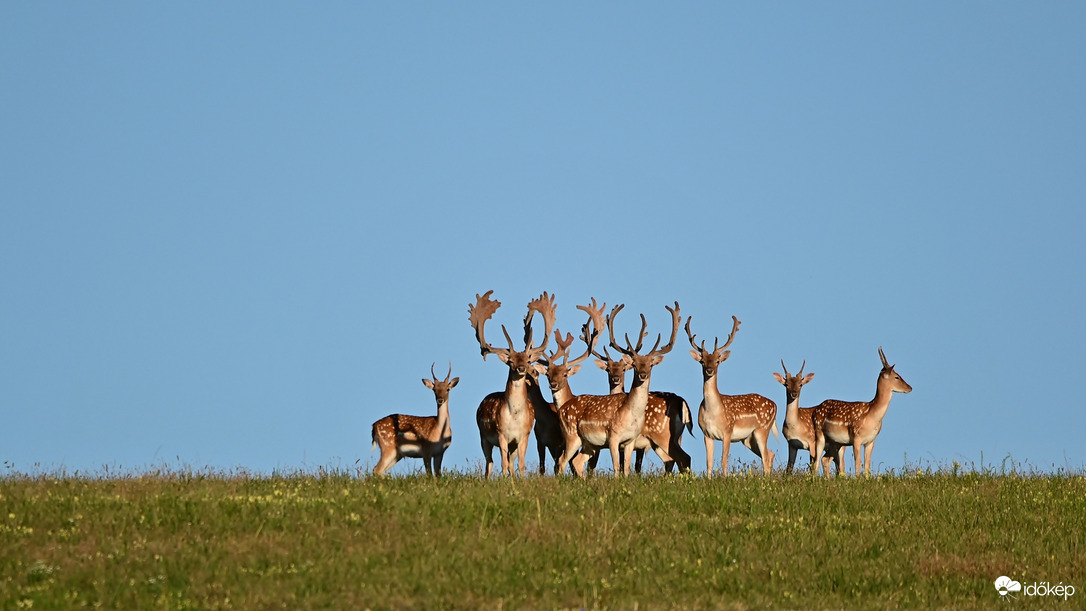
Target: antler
[631, 350]
[595, 319]
[885, 363]
[544, 304]
[478, 314]
[798, 375]
[716, 340]
[675, 318]
[563, 348]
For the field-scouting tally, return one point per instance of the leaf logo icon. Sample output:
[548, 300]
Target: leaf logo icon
[1005, 584]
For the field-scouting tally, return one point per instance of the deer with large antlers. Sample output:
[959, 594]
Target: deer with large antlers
[425, 437]
[591, 422]
[666, 412]
[548, 429]
[508, 423]
[856, 423]
[729, 418]
[798, 429]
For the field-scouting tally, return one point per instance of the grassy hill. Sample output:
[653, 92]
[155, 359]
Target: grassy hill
[184, 540]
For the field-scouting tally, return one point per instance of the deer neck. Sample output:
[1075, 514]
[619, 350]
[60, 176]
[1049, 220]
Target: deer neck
[791, 411]
[562, 395]
[638, 397]
[516, 392]
[713, 400]
[881, 403]
[442, 429]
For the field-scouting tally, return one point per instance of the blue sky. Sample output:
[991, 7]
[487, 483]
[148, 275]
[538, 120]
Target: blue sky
[234, 235]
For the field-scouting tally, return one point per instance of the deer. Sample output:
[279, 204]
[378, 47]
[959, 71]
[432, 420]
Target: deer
[666, 411]
[856, 423]
[798, 429]
[425, 437]
[548, 429]
[591, 422]
[729, 418]
[507, 423]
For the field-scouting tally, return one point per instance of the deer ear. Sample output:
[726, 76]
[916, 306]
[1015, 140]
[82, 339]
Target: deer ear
[808, 378]
[504, 356]
[574, 369]
[429, 383]
[454, 382]
[602, 365]
[696, 354]
[539, 369]
[656, 360]
[779, 377]
[724, 356]
[626, 359]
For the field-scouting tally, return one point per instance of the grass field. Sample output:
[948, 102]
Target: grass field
[176, 539]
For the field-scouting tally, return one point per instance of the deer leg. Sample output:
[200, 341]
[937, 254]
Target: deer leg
[638, 459]
[437, 464]
[867, 457]
[724, 454]
[542, 449]
[388, 459]
[764, 452]
[681, 458]
[792, 451]
[709, 449]
[620, 467]
[578, 462]
[522, 451]
[488, 457]
[426, 462]
[857, 453]
[817, 450]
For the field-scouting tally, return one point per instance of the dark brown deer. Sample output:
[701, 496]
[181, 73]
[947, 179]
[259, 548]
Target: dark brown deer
[856, 423]
[548, 430]
[591, 422]
[425, 437]
[729, 418]
[508, 423]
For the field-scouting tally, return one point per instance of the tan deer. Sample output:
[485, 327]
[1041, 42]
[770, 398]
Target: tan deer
[730, 418]
[591, 422]
[666, 411]
[798, 427]
[856, 423]
[425, 437]
[548, 430]
[508, 423]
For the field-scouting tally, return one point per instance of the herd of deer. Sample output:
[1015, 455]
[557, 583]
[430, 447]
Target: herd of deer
[574, 429]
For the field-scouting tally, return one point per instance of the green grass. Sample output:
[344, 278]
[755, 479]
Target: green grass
[183, 540]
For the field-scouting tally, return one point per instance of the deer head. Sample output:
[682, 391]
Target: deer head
[558, 364]
[889, 379]
[710, 361]
[793, 383]
[642, 364]
[441, 388]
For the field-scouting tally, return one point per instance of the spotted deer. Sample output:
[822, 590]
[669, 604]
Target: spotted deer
[798, 429]
[425, 437]
[730, 418]
[548, 430]
[666, 411]
[856, 423]
[507, 423]
[591, 422]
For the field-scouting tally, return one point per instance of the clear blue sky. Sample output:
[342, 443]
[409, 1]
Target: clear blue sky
[235, 234]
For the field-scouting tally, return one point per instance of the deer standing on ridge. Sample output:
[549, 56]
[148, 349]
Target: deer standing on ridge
[666, 412]
[798, 427]
[729, 418]
[425, 437]
[856, 423]
[548, 429]
[591, 422]
[507, 423]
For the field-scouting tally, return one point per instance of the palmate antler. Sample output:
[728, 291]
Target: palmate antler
[478, 314]
[590, 332]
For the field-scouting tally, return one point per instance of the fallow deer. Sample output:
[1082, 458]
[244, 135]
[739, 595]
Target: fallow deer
[798, 429]
[746, 418]
[507, 423]
[548, 429]
[666, 411]
[425, 437]
[591, 422]
[856, 423]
